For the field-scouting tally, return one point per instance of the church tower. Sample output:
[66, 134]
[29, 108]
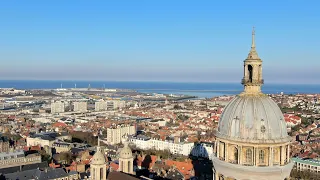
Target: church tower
[252, 140]
[252, 79]
[98, 165]
[126, 158]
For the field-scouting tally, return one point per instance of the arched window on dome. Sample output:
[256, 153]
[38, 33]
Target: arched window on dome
[261, 156]
[249, 156]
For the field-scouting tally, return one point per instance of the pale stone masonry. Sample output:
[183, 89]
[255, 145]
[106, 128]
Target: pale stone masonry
[252, 140]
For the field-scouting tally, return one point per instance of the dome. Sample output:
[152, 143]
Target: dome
[98, 158]
[253, 118]
[125, 152]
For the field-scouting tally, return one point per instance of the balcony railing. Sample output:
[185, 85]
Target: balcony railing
[252, 82]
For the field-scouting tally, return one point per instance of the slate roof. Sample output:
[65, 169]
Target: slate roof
[38, 174]
[14, 169]
[174, 174]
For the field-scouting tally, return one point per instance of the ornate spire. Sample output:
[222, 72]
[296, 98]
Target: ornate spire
[252, 79]
[98, 147]
[253, 45]
[253, 53]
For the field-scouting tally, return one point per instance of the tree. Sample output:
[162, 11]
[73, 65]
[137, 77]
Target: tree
[303, 174]
[84, 137]
[65, 156]
[45, 156]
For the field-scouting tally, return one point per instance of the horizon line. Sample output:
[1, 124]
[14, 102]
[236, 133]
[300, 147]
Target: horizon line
[155, 81]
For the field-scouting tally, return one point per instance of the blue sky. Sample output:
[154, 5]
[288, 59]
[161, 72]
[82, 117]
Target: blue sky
[158, 40]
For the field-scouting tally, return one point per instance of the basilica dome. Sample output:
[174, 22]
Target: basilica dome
[253, 118]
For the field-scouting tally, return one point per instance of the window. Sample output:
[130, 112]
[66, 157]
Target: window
[249, 156]
[250, 70]
[275, 155]
[261, 156]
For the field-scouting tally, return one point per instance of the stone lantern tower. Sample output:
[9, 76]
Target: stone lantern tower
[98, 165]
[126, 158]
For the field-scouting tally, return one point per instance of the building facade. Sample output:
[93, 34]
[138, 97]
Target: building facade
[115, 104]
[80, 106]
[306, 165]
[100, 105]
[252, 140]
[146, 143]
[18, 158]
[57, 107]
[115, 134]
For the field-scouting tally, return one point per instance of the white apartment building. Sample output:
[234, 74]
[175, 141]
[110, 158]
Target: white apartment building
[80, 106]
[115, 134]
[100, 105]
[115, 104]
[174, 147]
[307, 164]
[57, 107]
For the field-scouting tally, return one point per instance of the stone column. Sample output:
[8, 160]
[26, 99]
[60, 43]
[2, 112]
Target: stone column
[282, 155]
[98, 173]
[246, 72]
[218, 149]
[240, 155]
[260, 71]
[226, 152]
[256, 156]
[271, 156]
[253, 156]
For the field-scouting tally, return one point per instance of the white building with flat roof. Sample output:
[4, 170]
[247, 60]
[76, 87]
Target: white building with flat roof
[100, 105]
[115, 134]
[57, 107]
[115, 104]
[145, 143]
[306, 165]
[80, 106]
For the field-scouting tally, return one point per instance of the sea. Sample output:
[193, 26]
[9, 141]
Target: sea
[202, 90]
